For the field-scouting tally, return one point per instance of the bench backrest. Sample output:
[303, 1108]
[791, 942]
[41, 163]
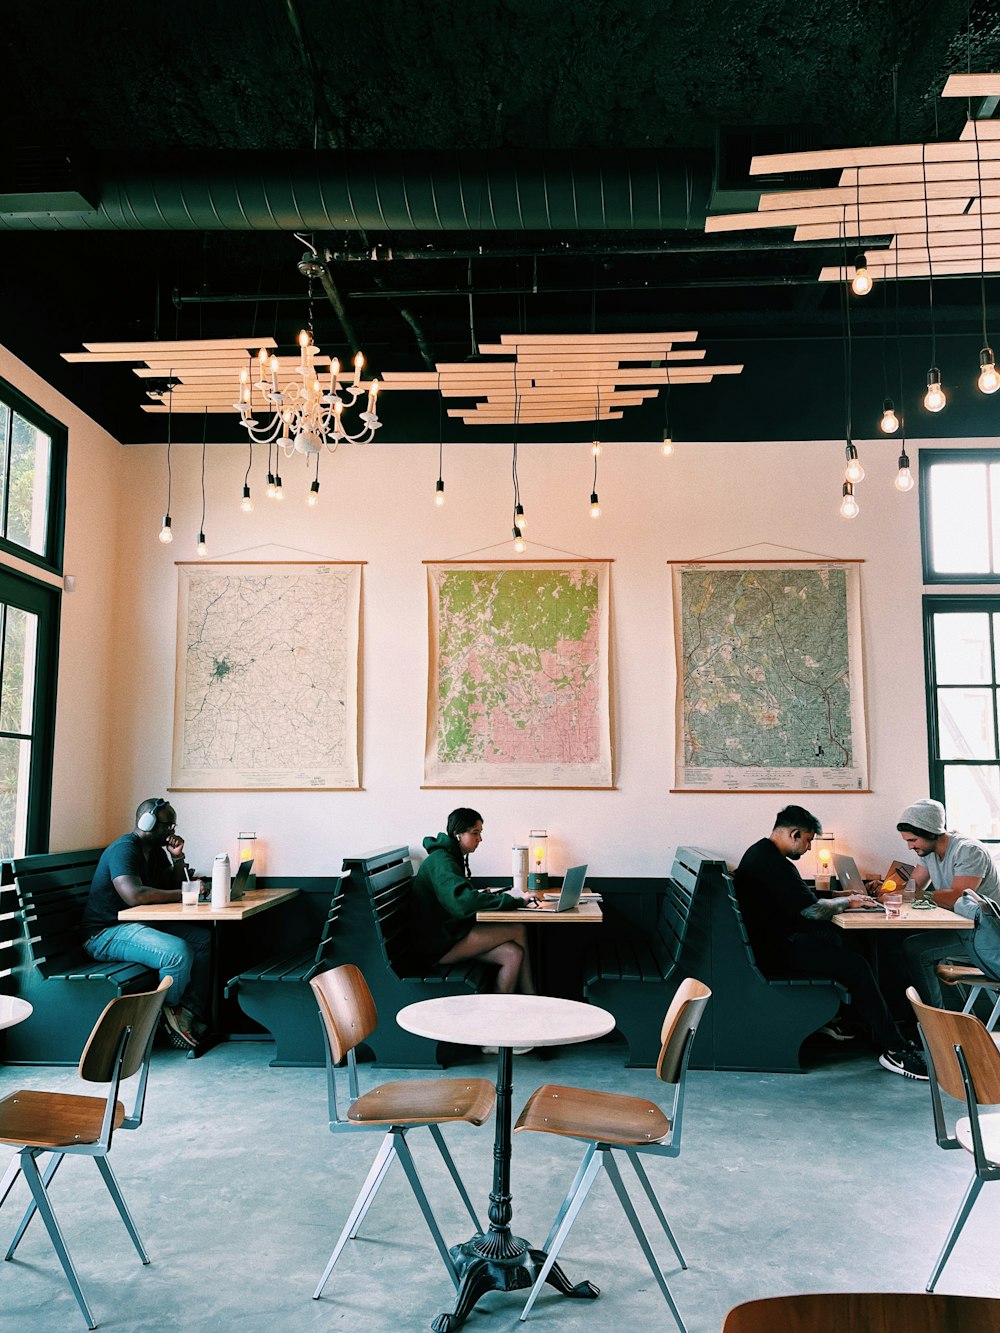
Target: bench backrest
[327, 936]
[388, 878]
[674, 917]
[741, 924]
[52, 893]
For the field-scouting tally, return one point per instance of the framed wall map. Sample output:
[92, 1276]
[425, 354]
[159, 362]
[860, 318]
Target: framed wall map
[518, 690]
[770, 679]
[266, 692]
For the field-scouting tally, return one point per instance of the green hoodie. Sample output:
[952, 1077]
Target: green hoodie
[444, 903]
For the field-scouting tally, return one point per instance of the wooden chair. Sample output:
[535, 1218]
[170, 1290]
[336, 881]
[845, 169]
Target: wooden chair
[963, 1059]
[64, 1124]
[613, 1122]
[963, 974]
[347, 1012]
[865, 1312]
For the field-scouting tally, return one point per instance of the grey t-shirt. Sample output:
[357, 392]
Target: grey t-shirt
[963, 856]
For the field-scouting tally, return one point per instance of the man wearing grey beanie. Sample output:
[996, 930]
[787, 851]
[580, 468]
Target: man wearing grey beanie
[947, 865]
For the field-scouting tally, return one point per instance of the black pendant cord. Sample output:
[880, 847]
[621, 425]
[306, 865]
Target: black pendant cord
[170, 421]
[927, 246]
[204, 445]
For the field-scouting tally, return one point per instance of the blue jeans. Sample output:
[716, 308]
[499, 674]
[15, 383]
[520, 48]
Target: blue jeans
[175, 949]
[923, 950]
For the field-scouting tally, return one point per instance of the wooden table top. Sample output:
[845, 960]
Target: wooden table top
[585, 914]
[505, 1020]
[256, 900]
[910, 918]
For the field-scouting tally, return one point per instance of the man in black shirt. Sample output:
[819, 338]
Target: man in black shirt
[792, 933]
[147, 866]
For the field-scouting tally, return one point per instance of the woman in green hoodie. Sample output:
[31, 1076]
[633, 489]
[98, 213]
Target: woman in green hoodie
[445, 906]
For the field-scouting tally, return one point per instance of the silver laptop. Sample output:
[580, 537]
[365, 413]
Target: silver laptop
[572, 887]
[851, 881]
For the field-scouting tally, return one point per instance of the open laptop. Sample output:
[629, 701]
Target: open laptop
[239, 885]
[851, 882]
[572, 887]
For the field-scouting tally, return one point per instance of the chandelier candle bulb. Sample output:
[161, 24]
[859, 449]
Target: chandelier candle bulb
[359, 361]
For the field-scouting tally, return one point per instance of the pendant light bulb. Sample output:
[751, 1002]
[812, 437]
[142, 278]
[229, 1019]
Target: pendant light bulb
[934, 398]
[854, 471]
[312, 499]
[202, 547]
[166, 535]
[518, 539]
[246, 504]
[279, 494]
[595, 448]
[890, 422]
[849, 507]
[595, 505]
[519, 516]
[439, 492]
[667, 447]
[861, 283]
[989, 378]
[904, 477]
[270, 485]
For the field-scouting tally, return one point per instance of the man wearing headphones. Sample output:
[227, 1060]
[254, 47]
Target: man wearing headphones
[147, 866]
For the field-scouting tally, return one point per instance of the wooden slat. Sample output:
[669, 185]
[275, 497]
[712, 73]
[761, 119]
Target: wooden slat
[876, 216]
[972, 85]
[597, 339]
[826, 159]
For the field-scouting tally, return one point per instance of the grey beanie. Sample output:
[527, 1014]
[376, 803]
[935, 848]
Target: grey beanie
[927, 815]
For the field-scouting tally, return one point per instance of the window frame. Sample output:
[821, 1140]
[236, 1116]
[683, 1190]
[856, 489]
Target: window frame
[55, 520]
[928, 458]
[44, 601]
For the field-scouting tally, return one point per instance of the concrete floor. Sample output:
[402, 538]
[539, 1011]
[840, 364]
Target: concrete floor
[829, 1181]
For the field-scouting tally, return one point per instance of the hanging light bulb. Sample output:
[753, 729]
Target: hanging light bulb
[904, 477]
[849, 507]
[279, 494]
[667, 447]
[202, 548]
[595, 505]
[934, 398]
[595, 448]
[166, 536]
[439, 492]
[890, 422]
[861, 283]
[312, 499]
[854, 471]
[519, 515]
[989, 379]
[246, 504]
[270, 485]
[518, 539]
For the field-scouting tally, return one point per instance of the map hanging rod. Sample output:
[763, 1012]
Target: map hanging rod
[752, 560]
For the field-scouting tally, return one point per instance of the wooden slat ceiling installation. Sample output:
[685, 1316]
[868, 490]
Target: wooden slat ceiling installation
[560, 377]
[939, 202]
[541, 377]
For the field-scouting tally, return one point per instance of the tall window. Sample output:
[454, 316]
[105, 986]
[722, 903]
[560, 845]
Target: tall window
[960, 515]
[32, 481]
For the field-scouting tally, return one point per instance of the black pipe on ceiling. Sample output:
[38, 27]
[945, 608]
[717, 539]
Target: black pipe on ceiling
[370, 191]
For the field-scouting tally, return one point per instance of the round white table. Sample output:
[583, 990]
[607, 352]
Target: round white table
[13, 1010]
[497, 1260]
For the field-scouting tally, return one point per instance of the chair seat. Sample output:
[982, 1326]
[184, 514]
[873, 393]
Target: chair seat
[53, 1119]
[605, 1117]
[425, 1101]
[953, 974]
[989, 1126]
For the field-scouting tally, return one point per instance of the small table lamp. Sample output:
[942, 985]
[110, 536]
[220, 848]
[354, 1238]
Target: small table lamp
[823, 847]
[538, 869]
[247, 845]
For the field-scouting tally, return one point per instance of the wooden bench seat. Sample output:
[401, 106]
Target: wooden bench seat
[275, 992]
[67, 989]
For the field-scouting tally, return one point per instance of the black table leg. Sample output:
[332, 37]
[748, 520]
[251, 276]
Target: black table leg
[497, 1260]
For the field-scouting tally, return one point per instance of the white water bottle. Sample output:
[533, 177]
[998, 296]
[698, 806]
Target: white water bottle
[221, 880]
[519, 869]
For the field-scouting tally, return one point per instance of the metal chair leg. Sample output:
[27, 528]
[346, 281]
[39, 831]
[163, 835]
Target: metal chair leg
[378, 1169]
[655, 1203]
[623, 1197]
[407, 1163]
[994, 1015]
[31, 1209]
[557, 1223]
[438, 1138]
[104, 1166]
[570, 1209]
[31, 1174]
[370, 1197]
[965, 1208]
[9, 1176]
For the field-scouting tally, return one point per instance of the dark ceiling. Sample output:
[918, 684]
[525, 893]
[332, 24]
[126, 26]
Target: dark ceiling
[555, 160]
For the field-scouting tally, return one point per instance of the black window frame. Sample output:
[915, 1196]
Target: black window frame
[55, 526]
[928, 458]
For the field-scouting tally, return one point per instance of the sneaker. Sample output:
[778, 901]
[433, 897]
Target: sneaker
[178, 1033]
[838, 1030]
[910, 1064]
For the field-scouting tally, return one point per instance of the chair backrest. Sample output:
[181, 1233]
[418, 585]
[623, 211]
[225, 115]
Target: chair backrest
[389, 884]
[943, 1031]
[683, 1017]
[138, 1012]
[52, 891]
[865, 1312]
[346, 1007]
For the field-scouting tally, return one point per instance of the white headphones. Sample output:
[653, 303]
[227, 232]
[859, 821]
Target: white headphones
[147, 822]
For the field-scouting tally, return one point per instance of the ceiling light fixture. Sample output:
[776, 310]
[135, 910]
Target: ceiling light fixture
[904, 477]
[935, 397]
[166, 533]
[861, 283]
[854, 472]
[202, 546]
[439, 484]
[849, 507]
[890, 422]
[518, 507]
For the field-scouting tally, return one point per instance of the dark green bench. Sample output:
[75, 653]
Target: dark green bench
[276, 994]
[67, 989]
[387, 878]
[631, 973]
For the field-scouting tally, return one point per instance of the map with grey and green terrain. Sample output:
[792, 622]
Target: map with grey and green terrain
[518, 676]
[769, 679]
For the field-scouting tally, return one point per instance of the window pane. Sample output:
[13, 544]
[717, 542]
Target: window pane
[28, 501]
[18, 679]
[960, 538]
[972, 798]
[15, 761]
[965, 724]
[962, 648]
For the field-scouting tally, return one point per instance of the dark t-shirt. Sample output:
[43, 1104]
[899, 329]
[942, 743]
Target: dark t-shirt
[123, 857]
[772, 895]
